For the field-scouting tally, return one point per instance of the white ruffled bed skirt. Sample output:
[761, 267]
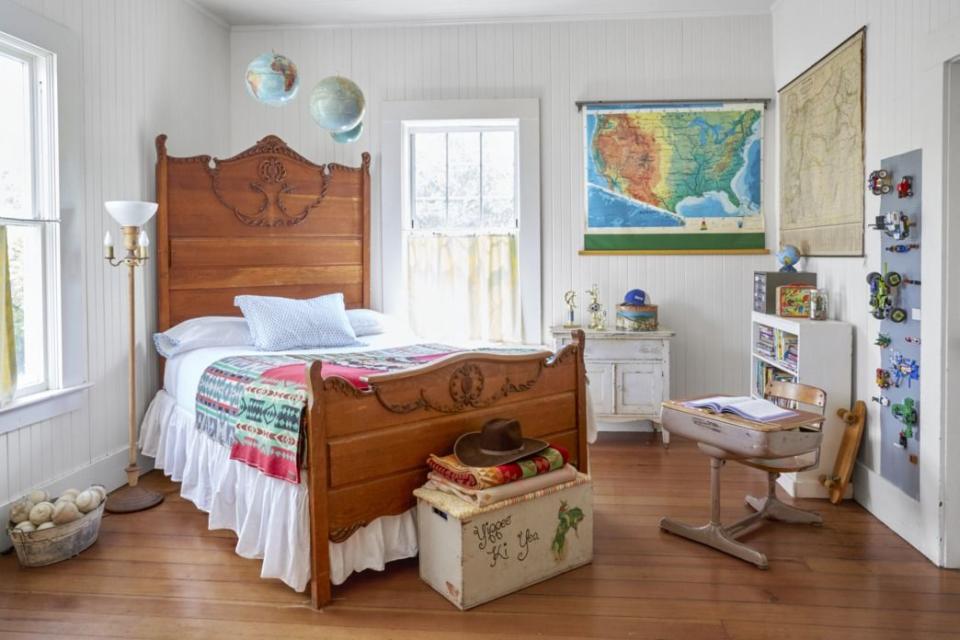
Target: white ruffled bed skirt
[271, 517]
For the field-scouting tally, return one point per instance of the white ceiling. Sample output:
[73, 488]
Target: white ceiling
[343, 12]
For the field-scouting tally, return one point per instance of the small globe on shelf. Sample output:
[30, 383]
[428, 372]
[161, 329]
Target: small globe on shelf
[345, 137]
[788, 257]
[272, 79]
[337, 104]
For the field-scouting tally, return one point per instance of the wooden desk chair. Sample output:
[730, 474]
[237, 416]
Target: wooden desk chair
[790, 395]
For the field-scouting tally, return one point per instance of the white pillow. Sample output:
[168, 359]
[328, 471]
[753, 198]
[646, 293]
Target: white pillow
[284, 323]
[206, 331]
[367, 322]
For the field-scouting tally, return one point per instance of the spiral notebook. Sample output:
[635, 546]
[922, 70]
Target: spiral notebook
[754, 409]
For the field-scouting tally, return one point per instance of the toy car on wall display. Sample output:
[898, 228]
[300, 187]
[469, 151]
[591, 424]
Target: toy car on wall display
[894, 223]
[879, 182]
[882, 294]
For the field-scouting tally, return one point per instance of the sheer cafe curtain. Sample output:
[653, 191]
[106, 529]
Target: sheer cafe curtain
[464, 287]
[8, 346]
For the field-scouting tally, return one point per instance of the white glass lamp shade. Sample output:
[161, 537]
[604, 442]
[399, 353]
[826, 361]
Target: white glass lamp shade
[130, 213]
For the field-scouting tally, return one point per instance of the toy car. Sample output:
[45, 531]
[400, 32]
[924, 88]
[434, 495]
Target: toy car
[903, 248]
[905, 412]
[895, 224]
[881, 296]
[883, 401]
[883, 378]
[879, 182]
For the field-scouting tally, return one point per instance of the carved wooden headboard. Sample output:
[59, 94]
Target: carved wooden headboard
[266, 221]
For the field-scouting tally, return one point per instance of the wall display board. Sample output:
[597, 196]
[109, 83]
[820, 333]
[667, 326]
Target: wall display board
[674, 176]
[895, 300]
[821, 155]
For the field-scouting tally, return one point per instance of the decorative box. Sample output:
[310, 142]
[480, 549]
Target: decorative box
[793, 301]
[632, 317]
[765, 285]
[472, 555]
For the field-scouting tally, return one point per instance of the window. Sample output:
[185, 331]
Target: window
[29, 211]
[465, 179]
[463, 280]
[460, 218]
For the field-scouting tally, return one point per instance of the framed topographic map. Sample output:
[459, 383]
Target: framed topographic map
[821, 155]
[674, 177]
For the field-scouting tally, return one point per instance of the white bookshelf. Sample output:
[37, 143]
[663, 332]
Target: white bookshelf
[824, 359]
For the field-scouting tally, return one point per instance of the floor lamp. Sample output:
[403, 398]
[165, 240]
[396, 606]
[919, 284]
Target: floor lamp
[131, 216]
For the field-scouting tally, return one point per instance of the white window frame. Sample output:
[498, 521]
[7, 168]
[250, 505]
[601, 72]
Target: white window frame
[64, 242]
[45, 199]
[400, 119]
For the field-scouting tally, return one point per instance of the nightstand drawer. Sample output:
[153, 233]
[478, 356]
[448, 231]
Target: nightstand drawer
[616, 350]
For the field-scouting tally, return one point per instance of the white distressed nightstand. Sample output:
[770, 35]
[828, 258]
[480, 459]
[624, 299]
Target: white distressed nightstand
[629, 374]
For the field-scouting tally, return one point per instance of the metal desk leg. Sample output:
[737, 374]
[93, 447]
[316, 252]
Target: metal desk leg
[714, 534]
[770, 507]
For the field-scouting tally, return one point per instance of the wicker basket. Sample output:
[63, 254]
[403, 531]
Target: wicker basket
[40, 548]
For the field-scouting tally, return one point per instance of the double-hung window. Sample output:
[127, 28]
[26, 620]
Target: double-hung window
[29, 217]
[463, 278]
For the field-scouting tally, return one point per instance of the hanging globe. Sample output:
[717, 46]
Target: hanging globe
[272, 79]
[344, 137]
[337, 104]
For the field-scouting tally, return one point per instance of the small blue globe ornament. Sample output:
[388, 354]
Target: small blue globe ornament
[337, 104]
[344, 137]
[788, 257]
[636, 297]
[272, 79]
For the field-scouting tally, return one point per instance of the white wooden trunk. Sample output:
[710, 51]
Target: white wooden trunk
[472, 555]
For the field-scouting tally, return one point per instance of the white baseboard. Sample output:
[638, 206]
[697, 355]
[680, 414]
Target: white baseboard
[108, 471]
[800, 487]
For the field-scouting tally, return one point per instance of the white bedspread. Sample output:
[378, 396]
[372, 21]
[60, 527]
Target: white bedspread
[270, 516]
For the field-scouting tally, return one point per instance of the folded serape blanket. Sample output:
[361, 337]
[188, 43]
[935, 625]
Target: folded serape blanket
[450, 468]
[255, 404]
[485, 497]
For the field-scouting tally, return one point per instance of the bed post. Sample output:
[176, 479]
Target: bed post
[162, 238]
[365, 186]
[580, 338]
[320, 593]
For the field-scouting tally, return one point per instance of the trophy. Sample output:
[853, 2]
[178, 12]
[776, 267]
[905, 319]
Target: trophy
[570, 299]
[598, 315]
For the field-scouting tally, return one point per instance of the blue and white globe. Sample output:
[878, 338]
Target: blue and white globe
[337, 104]
[344, 137]
[272, 79]
[788, 257]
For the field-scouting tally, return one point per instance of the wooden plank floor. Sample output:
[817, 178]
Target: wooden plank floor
[161, 574]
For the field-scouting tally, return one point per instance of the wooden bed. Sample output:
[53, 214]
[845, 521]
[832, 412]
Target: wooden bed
[268, 221]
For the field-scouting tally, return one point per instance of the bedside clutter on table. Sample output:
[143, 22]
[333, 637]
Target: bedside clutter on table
[487, 531]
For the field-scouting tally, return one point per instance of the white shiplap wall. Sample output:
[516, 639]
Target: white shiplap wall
[908, 42]
[149, 66]
[705, 299]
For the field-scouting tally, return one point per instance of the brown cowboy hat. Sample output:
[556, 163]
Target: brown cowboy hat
[499, 441]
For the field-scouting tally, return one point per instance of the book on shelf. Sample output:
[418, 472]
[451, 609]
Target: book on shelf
[756, 409]
[766, 373]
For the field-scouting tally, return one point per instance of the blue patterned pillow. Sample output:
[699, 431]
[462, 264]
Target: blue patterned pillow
[284, 323]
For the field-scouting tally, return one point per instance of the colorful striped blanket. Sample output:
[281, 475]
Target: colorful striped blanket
[450, 468]
[255, 404]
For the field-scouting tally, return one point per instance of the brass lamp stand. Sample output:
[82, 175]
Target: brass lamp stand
[131, 216]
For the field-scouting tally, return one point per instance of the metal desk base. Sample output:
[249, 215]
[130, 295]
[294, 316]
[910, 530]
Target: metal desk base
[724, 538]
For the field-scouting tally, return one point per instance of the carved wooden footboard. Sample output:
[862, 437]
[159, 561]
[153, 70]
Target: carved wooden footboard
[366, 449]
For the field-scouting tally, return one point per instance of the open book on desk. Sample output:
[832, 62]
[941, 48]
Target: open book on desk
[746, 407]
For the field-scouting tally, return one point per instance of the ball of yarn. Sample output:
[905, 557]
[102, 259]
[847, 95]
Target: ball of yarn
[41, 512]
[88, 500]
[100, 489]
[65, 512]
[26, 527]
[20, 511]
[46, 525]
[38, 496]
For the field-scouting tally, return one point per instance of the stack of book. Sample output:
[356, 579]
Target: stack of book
[786, 345]
[766, 342]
